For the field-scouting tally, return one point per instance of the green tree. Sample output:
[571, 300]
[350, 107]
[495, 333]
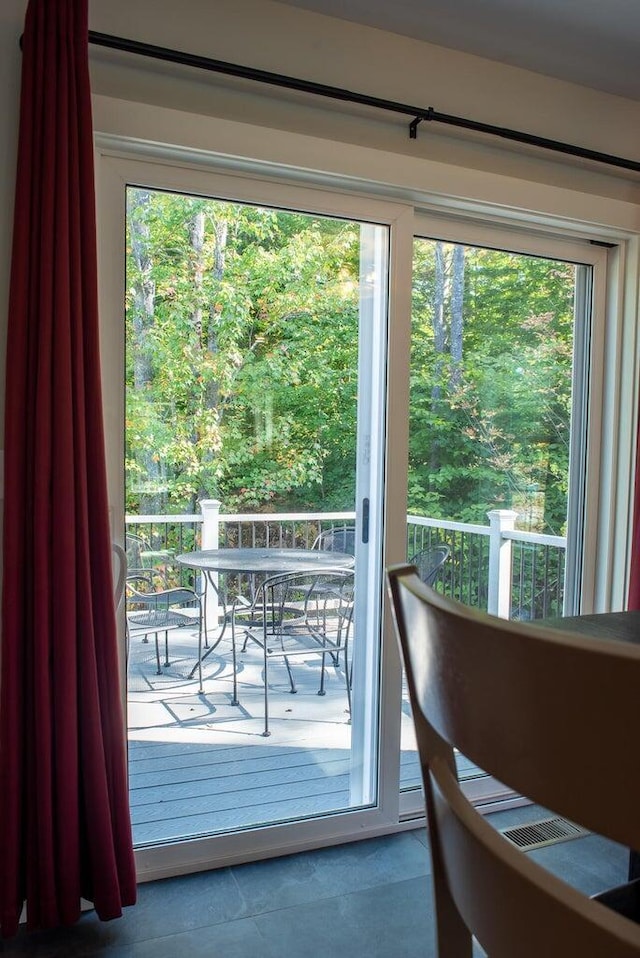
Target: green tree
[498, 434]
[242, 357]
[250, 356]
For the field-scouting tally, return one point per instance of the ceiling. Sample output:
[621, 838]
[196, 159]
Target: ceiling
[595, 43]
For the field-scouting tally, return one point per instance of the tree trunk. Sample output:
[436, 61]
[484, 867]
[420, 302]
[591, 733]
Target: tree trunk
[439, 341]
[457, 320]
[143, 291]
[196, 236]
[221, 228]
[212, 394]
[439, 327]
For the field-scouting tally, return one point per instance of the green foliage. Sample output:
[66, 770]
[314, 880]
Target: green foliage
[242, 331]
[242, 358]
[497, 436]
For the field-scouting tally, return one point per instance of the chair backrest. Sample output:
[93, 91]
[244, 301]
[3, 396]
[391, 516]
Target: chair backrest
[549, 714]
[119, 573]
[341, 539]
[428, 562]
[325, 595]
[134, 546]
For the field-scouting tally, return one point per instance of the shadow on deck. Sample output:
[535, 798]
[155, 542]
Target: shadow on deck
[200, 766]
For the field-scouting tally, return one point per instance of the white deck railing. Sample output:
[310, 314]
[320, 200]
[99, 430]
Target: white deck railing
[497, 567]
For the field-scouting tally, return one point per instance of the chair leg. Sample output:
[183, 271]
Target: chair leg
[292, 685]
[321, 690]
[347, 678]
[201, 690]
[203, 619]
[266, 732]
[166, 648]
[234, 700]
[158, 669]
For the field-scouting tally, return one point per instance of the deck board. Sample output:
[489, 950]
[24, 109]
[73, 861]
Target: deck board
[240, 801]
[238, 786]
[164, 773]
[234, 819]
[200, 766]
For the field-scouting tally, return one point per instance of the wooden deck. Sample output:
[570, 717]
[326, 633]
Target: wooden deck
[200, 766]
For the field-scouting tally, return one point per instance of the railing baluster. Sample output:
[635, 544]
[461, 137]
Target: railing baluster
[537, 573]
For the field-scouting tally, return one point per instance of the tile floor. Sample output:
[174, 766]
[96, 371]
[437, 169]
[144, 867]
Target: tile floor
[370, 898]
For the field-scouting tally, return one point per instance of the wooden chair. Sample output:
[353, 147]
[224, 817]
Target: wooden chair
[551, 714]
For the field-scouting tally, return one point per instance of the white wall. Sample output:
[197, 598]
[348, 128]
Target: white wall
[283, 39]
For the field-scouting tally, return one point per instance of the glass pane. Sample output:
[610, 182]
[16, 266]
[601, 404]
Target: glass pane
[244, 402]
[490, 415]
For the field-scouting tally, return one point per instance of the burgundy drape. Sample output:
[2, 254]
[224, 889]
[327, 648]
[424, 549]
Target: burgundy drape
[64, 817]
[633, 602]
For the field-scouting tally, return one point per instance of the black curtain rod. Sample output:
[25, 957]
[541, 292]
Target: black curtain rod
[336, 93]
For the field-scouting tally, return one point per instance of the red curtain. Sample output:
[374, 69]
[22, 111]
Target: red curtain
[633, 602]
[64, 817]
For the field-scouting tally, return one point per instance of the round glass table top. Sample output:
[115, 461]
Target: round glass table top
[265, 560]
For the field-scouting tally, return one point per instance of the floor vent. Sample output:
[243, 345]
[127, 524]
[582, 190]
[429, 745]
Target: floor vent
[548, 831]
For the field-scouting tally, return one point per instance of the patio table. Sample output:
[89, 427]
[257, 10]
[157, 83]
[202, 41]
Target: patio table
[622, 626]
[267, 561]
[254, 561]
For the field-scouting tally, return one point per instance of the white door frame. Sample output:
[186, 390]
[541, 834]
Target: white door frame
[613, 396]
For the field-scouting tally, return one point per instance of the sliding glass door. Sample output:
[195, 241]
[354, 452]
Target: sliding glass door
[286, 368]
[497, 433]
[253, 354]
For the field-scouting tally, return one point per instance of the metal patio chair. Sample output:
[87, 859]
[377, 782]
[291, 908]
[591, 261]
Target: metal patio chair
[428, 562]
[119, 573]
[141, 555]
[152, 611]
[297, 614]
[340, 539]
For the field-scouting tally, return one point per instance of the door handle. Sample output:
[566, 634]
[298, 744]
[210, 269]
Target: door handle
[365, 520]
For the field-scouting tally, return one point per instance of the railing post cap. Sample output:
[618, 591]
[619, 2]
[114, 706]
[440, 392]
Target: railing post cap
[503, 514]
[210, 503]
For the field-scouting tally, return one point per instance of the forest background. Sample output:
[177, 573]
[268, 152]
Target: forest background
[241, 367]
